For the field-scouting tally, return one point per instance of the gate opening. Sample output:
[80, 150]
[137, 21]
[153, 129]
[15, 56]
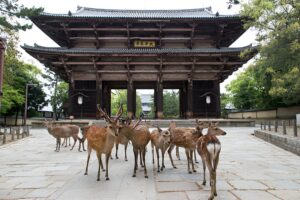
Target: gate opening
[118, 97]
[145, 103]
[171, 103]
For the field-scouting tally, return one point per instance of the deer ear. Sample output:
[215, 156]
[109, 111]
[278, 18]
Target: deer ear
[159, 129]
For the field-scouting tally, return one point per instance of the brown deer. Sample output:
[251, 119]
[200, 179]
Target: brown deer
[209, 148]
[139, 136]
[62, 131]
[173, 125]
[186, 138]
[161, 141]
[121, 139]
[102, 140]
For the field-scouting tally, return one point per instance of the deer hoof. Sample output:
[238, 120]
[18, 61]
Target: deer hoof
[194, 170]
[103, 170]
[190, 172]
[107, 178]
[174, 167]
[85, 173]
[126, 160]
[196, 162]
[215, 194]
[146, 176]
[98, 179]
[133, 175]
[158, 170]
[204, 183]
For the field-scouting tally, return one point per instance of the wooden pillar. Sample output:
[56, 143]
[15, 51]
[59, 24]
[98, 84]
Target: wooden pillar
[159, 100]
[218, 99]
[99, 91]
[70, 100]
[130, 100]
[190, 107]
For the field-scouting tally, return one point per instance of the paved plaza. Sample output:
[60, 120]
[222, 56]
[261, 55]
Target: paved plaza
[249, 168]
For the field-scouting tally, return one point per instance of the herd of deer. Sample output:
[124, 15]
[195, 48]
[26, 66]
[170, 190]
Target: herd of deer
[102, 140]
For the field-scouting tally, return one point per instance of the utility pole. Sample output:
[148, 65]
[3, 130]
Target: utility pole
[26, 96]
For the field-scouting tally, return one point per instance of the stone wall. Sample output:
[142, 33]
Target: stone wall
[279, 113]
[288, 143]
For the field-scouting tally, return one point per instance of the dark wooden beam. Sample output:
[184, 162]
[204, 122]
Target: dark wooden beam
[66, 34]
[219, 35]
[145, 63]
[192, 35]
[96, 36]
[120, 38]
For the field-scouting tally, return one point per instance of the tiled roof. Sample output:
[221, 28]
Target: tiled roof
[199, 13]
[63, 50]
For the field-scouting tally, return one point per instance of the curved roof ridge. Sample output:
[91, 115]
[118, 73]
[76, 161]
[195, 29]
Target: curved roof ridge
[80, 8]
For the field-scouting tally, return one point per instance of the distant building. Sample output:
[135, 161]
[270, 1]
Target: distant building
[147, 100]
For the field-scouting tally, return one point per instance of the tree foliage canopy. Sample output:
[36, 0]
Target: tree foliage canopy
[273, 79]
[10, 11]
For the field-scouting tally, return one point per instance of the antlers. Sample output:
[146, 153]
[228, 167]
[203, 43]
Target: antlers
[105, 115]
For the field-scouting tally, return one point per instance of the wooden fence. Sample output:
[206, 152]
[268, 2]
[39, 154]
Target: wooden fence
[286, 127]
[11, 133]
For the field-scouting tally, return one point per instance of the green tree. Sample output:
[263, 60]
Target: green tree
[10, 11]
[60, 98]
[118, 97]
[273, 79]
[17, 75]
[171, 104]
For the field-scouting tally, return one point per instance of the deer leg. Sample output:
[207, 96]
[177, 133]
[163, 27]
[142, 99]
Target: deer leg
[135, 151]
[208, 162]
[215, 165]
[191, 157]
[64, 142]
[152, 153]
[163, 159]
[117, 147]
[75, 140]
[69, 141]
[99, 164]
[83, 145]
[88, 160]
[144, 160]
[187, 153]
[204, 169]
[57, 143]
[107, 159]
[125, 147]
[141, 158]
[195, 156]
[177, 153]
[170, 154]
[157, 156]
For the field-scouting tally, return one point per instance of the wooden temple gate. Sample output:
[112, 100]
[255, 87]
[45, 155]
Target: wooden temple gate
[101, 50]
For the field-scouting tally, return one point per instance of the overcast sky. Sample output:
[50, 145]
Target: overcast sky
[63, 6]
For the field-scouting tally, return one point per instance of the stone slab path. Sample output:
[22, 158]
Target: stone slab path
[249, 168]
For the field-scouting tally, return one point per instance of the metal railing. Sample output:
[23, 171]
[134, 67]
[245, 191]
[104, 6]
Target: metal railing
[286, 127]
[11, 133]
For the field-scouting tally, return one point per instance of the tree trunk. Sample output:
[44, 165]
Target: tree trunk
[55, 98]
[16, 119]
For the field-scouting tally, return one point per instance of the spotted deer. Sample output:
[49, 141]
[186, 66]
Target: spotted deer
[102, 139]
[139, 136]
[160, 140]
[186, 138]
[209, 148]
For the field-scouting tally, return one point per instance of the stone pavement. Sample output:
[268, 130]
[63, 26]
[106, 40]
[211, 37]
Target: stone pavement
[249, 168]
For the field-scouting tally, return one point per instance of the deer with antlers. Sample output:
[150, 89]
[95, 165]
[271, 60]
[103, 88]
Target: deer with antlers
[102, 139]
[139, 136]
[209, 148]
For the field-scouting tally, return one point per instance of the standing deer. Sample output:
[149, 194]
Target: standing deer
[121, 139]
[209, 148]
[139, 136]
[186, 138]
[161, 141]
[102, 140]
[62, 131]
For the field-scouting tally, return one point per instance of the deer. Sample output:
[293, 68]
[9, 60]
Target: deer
[186, 138]
[102, 139]
[121, 139]
[173, 125]
[139, 136]
[209, 148]
[62, 131]
[161, 141]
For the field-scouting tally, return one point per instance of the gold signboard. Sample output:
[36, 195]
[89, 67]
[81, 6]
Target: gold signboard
[145, 44]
